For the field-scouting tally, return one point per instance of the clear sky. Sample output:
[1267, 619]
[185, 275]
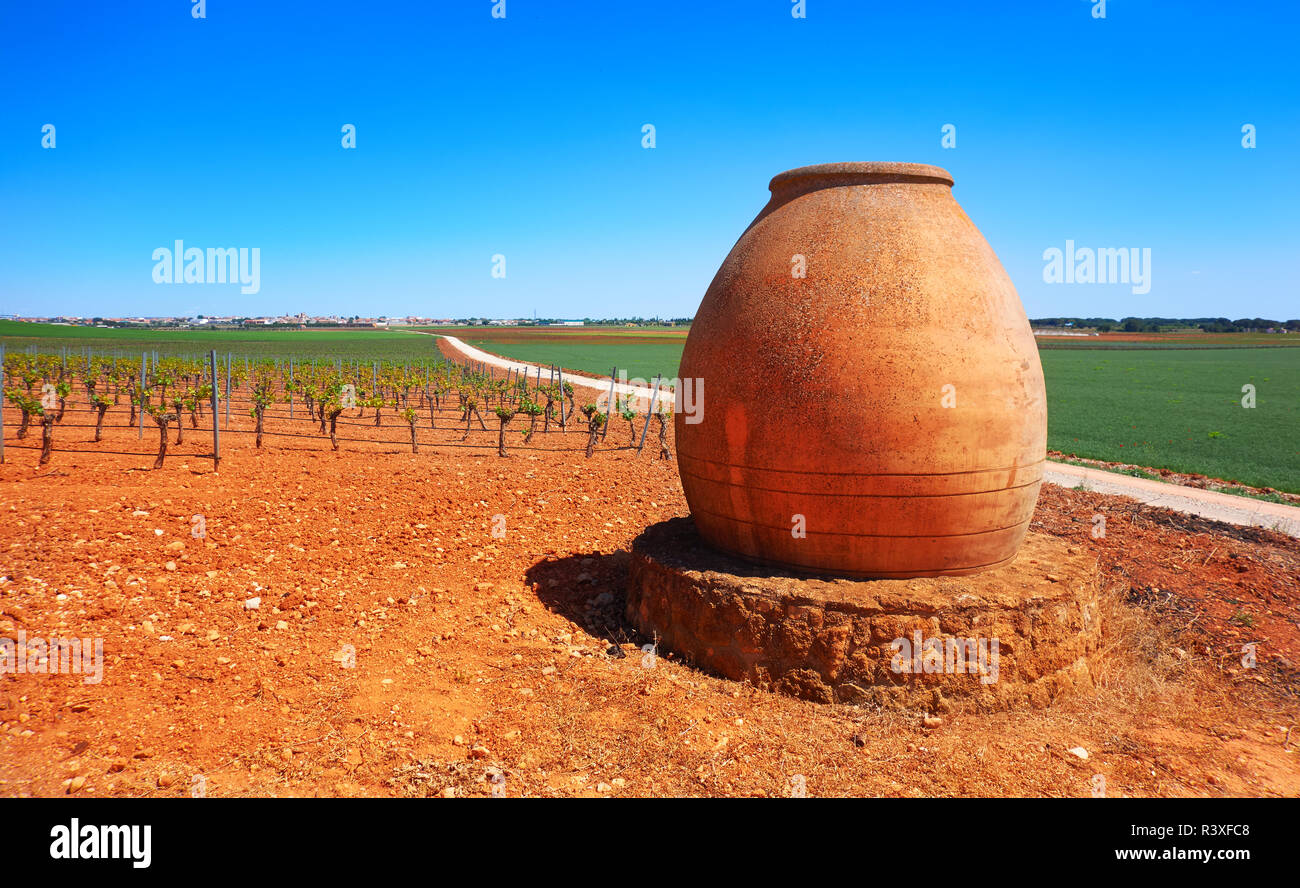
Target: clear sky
[522, 136]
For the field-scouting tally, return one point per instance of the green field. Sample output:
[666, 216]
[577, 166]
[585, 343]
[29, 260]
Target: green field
[1180, 410]
[391, 345]
[643, 352]
[1159, 406]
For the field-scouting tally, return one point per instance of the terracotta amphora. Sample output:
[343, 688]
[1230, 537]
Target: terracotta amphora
[870, 399]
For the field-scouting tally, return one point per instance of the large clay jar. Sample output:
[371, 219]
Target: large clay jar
[872, 402]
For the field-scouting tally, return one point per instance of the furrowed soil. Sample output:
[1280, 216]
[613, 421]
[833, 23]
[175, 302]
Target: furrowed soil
[502, 664]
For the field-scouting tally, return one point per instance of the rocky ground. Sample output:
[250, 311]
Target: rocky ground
[399, 648]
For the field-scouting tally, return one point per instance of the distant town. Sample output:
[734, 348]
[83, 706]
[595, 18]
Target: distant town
[303, 321]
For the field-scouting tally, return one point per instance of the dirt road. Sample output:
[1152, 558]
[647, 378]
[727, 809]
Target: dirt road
[1190, 500]
[643, 393]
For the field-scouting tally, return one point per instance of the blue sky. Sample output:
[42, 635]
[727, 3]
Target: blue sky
[478, 136]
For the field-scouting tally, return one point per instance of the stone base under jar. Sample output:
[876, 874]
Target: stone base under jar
[1019, 635]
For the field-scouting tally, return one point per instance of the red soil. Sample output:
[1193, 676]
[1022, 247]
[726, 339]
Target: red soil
[482, 659]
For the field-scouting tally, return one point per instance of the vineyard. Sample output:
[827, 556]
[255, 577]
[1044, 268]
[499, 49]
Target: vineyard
[68, 400]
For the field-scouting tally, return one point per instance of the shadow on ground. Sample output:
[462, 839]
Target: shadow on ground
[591, 591]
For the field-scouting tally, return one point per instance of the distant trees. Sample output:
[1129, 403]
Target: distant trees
[1156, 325]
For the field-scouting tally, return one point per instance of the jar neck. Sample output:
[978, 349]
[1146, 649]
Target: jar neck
[802, 180]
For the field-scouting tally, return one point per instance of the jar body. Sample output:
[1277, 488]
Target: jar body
[872, 401]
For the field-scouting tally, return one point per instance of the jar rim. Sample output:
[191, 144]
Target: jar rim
[862, 173]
